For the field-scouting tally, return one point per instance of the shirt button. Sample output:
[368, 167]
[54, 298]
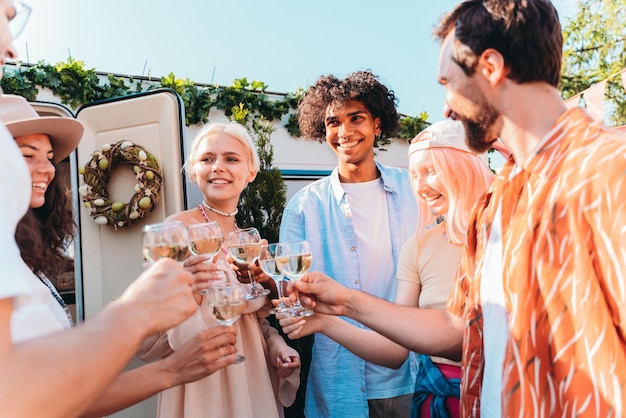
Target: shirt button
[356, 281]
[352, 248]
[362, 389]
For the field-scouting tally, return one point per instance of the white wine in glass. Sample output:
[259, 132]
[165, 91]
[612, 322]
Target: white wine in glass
[165, 240]
[244, 245]
[226, 304]
[206, 238]
[294, 260]
[267, 262]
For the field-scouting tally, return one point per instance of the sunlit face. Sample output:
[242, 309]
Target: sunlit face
[222, 169]
[426, 182]
[37, 152]
[466, 102]
[350, 132]
[7, 13]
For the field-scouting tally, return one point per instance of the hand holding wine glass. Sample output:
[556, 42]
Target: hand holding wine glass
[226, 304]
[267, 262]
[167, 239]
[294, 259]
[206, 238]
[244, 245]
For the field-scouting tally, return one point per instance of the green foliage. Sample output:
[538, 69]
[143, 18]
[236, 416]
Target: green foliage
[410, 127]
[20, 83]
[594, 49]
[76, 85]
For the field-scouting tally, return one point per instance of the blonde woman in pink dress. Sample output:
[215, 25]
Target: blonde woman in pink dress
[222, 161]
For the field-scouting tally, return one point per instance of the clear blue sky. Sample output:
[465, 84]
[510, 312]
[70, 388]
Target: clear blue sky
[284, 43]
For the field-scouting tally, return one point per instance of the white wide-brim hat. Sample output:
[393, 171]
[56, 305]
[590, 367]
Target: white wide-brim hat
[20, 119]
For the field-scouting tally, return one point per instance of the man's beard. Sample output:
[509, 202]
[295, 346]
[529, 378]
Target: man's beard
[478, 133]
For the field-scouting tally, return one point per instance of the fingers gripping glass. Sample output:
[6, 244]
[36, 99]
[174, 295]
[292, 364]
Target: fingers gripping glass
[294, 259]
[206, 238]
[18, 22]
[267, 262]
[244, 245]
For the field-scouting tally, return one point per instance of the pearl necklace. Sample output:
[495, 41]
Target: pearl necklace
[219, 212]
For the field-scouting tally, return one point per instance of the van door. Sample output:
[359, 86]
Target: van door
[112, 259]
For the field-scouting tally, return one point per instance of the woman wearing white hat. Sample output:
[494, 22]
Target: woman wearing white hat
[447, 179]
[42, 236]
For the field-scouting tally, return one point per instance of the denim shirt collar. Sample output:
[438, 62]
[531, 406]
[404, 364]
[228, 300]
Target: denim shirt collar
[339, 193]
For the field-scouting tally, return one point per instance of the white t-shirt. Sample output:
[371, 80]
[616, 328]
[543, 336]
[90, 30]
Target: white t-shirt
[495, 328]
[368, 204]
[14, 199]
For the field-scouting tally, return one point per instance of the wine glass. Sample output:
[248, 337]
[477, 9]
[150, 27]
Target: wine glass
[267, 262]
[244, 245]
[206, 238]
[226, 304]
[167, 239]
[294, 259]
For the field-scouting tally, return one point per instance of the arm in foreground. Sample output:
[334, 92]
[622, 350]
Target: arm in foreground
[203, 355]
[369, 345]
[37, 375]
[426, 331]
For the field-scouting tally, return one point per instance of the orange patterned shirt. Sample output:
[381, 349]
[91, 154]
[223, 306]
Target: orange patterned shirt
[564, 278]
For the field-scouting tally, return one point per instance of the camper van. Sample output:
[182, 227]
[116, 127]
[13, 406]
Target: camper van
[105, 259]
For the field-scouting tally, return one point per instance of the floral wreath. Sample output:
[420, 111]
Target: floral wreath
[97, 173]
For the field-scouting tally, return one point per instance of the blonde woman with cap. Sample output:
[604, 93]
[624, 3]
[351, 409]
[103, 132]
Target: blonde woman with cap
[447, 180]
[42, 236]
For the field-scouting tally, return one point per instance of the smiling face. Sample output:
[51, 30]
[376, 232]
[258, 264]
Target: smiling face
[222, 170]
[466, 102]
[426, 182]
[350, 133]
[37, 152]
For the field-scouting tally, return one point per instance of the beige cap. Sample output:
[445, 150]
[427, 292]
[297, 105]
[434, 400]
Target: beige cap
[444, 134]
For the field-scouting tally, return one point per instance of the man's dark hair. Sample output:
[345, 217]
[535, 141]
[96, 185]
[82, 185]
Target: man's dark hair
[361, 86]
[526, 32]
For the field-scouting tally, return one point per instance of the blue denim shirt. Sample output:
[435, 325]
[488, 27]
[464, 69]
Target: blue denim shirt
[320, 214]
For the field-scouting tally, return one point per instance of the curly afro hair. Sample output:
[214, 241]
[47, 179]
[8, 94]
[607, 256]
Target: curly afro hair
[361, 86]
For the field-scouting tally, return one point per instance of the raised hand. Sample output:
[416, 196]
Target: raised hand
[321, 293]
[298, 327]
[205, 271]
[161, 296]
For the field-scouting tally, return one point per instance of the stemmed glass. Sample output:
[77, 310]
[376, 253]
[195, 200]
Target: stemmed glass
[226, 304]
[206, 238]
[167, 239]
[294, 259]
[267, 262]
[244, 245]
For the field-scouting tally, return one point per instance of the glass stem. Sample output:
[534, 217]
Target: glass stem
[252, 282]
[279, 290]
